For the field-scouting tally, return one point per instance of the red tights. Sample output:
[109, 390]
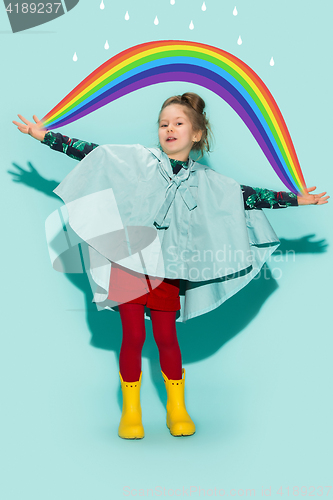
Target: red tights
[134, 334]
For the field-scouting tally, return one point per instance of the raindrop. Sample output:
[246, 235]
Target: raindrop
[156, 21]
[239, 41]
[102, 6]
[203, 7]
[106, 46]
[127, 16]
[271, 62]
[191, 26]
[235, 12]
[172, 2]
[75, 57]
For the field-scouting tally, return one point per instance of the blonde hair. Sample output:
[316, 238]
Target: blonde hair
[194, 107]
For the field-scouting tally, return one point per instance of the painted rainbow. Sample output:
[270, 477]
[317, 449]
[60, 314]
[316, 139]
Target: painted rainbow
[178, 60]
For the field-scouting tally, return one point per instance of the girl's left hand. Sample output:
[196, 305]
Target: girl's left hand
[312, 199]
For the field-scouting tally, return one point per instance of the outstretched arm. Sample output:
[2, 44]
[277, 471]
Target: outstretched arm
[72, 147]
[258, 198]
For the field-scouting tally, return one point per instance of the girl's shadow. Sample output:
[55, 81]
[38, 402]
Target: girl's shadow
[224, 322]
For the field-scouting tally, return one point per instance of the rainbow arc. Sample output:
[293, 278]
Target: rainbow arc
[193, 62]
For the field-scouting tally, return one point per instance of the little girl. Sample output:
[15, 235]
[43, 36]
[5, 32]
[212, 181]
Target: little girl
[195, 211]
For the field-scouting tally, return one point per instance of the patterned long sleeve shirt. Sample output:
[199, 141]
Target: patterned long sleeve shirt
[254, 197]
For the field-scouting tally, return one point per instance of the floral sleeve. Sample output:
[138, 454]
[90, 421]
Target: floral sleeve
[257, 198]
[72, 147]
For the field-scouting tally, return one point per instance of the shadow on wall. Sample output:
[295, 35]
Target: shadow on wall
[196, 344]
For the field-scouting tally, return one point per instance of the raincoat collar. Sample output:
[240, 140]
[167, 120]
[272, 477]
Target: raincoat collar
[164, 159]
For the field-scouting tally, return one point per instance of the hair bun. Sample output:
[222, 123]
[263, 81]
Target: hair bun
[195, 101]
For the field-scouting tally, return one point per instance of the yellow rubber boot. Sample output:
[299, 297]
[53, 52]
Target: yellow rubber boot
[130, 426]
[178, 420]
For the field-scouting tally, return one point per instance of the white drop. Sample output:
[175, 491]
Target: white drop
[172, 2]
[239, 41]
[271, 62]
[191, 26]
[203, 7]
[156, 21]
[102, 6]
[106, 46]
[235, 12]
[127, 16]
[75, 57]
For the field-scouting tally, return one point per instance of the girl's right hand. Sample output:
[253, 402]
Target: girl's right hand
[36, 130]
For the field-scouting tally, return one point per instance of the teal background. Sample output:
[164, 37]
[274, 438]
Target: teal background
[259, 368]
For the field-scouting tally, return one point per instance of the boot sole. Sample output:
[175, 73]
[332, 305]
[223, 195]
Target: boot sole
[132, 438]
[181, 433]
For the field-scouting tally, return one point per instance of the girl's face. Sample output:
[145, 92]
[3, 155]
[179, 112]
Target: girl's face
[175, 132]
